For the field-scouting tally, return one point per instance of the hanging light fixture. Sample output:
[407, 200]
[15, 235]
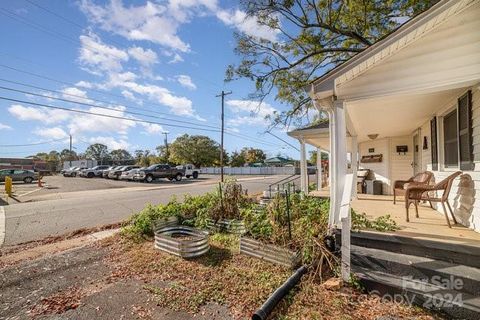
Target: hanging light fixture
[373, 136]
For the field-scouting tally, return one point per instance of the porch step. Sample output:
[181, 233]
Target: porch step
[462, 278]
[460, 254]
[390, 287]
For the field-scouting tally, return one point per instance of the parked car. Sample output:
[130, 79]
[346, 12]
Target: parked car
[106, 171]
[73, 172]
[26, 176]
[93, 172]
[190, 170]
[158, 171]
[128, 175]
[115, 173]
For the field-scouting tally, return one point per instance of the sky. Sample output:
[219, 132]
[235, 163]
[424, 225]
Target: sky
[162, 62]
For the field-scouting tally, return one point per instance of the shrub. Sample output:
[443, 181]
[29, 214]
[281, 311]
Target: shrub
[383, 223]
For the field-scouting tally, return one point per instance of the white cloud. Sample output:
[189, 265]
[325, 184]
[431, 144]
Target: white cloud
[176, 58]
[152, 128]
[249, 112]
[75, 94]
[246, 24]
[5, 127]
[111, 142]
[130, 96]
[86, 123]
[94, 54]
[186, 81]
[151, 22]
[145, 57]
[45, 115]
[84, 84]
[51, 133]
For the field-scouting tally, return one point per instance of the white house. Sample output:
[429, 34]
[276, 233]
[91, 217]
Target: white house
[414, 99]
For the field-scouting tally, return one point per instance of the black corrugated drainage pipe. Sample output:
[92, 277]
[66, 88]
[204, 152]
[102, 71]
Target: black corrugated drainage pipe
[274, 299]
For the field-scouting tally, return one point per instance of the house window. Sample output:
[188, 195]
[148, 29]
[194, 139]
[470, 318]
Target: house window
[450, 142]
[457, 135]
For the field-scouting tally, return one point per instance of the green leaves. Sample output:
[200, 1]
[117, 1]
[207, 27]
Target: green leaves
[312, 37]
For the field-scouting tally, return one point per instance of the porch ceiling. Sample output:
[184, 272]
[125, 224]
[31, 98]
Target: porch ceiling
[397, 115]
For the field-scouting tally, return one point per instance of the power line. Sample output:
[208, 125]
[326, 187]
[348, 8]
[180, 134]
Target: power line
[104, 115]
[64, 37]
[291, 145]
[97, 106]
[32, 144]
[90, 89]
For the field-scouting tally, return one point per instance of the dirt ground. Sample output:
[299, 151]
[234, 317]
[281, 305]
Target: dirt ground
[119, 279]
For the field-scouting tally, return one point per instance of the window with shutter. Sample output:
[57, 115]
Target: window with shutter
[433, 143]
[450, 139]
[465, 131]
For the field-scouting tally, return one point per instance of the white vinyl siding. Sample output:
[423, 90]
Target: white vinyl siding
[401, 164]
[380, 169]
[466, 189]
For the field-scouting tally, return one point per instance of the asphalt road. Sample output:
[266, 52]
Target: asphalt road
[84, 209]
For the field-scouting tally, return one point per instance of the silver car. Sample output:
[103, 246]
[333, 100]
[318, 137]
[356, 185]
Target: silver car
[26, 176]
[128, 175]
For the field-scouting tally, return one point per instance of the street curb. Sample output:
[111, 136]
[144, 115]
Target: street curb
[56, 247]
[2, 225]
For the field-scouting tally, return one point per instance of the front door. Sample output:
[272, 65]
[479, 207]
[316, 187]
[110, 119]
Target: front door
[416, 153]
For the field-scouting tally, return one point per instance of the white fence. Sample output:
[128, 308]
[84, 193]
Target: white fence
[251, 170]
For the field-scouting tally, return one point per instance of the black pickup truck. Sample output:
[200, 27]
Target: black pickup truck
[158, 171]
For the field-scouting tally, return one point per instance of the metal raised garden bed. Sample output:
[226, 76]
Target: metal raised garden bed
[165, 222]
[229, 226]
[270, 253]
[182, 241]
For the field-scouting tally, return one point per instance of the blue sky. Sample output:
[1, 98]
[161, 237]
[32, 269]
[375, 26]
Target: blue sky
[164, 59]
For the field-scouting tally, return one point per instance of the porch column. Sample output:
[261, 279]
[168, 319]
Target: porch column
[354, 165]
[303, 166]
[319, 169]
[338, 159]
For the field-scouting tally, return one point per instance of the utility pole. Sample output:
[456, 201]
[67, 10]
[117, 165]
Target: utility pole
[166, 145]
[223, 94]
[70, 153]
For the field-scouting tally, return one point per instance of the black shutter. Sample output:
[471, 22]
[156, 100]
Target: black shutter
[465, 140]
[433, 143]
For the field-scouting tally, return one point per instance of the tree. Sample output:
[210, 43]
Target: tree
[253, 155]
[97, 152]
[120, 156]
[308, 38]
[197, 150]
[67, 155]
[237, 159]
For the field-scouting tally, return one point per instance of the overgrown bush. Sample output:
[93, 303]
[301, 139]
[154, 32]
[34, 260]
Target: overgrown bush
[227, 202]
[384, 223]
[141, 224]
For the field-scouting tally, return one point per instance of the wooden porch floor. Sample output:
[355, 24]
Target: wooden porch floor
[430, 225]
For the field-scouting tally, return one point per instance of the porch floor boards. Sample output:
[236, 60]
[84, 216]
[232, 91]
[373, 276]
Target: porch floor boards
[430, 225]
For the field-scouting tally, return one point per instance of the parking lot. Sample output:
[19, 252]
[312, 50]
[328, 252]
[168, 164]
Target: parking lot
[59, 184]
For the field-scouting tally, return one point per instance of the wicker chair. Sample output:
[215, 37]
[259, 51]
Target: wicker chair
[415, 193]
[399, 186]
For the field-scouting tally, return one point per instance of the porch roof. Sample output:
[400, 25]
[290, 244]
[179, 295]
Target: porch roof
[415, 73]
[416, 28]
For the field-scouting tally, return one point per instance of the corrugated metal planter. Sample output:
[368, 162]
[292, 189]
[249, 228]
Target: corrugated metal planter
[229, 226]
[165, 222]
[270, 253]
[182, 241]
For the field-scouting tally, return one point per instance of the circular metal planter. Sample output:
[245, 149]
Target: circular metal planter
[182, 241]
[228, 226]
[165, 222]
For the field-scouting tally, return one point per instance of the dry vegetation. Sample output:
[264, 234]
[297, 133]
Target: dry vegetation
[240, 282]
